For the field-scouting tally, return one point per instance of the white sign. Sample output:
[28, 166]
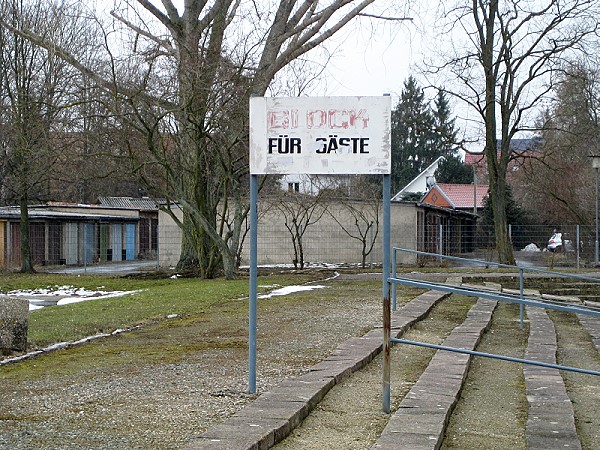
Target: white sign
[320, 135]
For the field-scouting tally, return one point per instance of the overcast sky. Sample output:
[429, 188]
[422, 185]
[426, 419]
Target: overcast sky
[375, 64]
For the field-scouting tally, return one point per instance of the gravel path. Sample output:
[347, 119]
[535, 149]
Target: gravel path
[157, 387]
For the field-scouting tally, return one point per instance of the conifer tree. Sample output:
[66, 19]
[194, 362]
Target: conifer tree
[420, 134]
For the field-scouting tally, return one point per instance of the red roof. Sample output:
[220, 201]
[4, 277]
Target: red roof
[458, 196]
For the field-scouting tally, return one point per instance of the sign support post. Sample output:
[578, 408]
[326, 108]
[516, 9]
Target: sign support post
[387, 314]
[318, 136]
[253, 284]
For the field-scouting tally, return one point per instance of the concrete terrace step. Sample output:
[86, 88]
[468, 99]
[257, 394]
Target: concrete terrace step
[421, 419]
[550, 421]
[592, 325]
[273, 415]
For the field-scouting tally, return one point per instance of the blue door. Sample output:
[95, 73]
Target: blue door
[130, 241]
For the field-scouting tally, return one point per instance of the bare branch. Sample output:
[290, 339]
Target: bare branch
[393, 19]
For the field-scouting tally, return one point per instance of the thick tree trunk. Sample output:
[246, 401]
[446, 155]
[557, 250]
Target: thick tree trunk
[503, 242]
[26, 264]
[497, 163]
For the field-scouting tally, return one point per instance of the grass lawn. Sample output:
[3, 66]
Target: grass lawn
[152, 301]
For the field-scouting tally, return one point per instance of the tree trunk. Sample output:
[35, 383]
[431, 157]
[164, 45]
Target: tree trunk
[26, 264]
[496, 166]
[503, 242]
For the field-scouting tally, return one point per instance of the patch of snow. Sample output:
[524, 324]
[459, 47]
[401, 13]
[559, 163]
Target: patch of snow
[33, 307]
[531, 248]
[63, 295]
[97, 296]
[290, 290]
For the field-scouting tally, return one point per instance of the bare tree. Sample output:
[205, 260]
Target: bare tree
[299, 212]
[561, 179]
[36, 92]
[507, 56]
[363, 208]
[187, 74]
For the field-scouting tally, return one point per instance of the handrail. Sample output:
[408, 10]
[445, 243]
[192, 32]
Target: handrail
[500, 265]
[521, 299]
[520, 269]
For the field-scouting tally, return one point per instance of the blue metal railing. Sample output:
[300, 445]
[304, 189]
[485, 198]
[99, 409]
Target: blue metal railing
[502, 297]
[520, 299]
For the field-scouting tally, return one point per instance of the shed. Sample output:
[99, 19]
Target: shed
[463, 197]
[62, 233]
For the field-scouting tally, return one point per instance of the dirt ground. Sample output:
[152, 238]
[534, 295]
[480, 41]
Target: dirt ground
[158, 387]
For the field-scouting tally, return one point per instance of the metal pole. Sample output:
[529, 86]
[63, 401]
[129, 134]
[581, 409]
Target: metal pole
[474, 190]
[371, 243]
[84, 248]
[386, 294]
[440, 240]
[394, 263]
[500, 357]
[521, 306]
[253, 284]
[596, 243]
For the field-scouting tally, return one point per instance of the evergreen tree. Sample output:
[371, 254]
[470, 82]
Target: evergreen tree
[514, 211]
[420, 134]
[412, 125]
[445, 131]
[453, 170]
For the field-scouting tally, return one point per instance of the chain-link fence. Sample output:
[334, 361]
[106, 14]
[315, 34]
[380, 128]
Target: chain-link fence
[537, 245]
[322, 245]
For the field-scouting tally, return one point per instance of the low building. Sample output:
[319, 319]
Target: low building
[75, 234]
[462, 197]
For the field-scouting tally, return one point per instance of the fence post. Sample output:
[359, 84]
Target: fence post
[440, 242]
[394, 262]
[84, 248]
[371, 242]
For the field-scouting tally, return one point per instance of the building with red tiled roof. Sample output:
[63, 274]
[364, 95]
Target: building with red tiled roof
[464, 197]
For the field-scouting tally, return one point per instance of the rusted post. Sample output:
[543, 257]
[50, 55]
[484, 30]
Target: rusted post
[386, 355]
[387, 321]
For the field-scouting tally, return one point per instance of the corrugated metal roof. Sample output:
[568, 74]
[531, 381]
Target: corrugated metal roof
[128, 202]
[14, 213]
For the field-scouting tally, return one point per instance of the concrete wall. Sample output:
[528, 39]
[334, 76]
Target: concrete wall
[324, 241]
[169, 239]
